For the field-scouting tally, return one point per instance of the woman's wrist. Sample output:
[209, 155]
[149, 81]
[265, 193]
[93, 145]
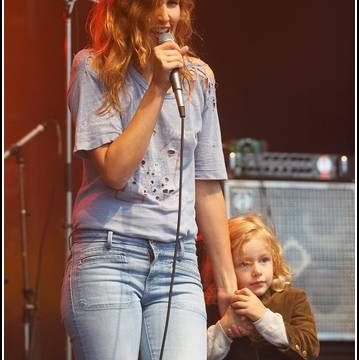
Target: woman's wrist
[156, 89]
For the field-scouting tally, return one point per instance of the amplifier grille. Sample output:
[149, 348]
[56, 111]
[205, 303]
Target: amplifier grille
[315, 223]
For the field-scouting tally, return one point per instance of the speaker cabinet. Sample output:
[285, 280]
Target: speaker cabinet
[315, 223]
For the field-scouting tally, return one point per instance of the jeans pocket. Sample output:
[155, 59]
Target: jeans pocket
[101, 280]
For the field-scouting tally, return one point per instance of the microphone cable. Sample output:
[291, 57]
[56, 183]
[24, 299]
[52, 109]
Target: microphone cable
[177, 244]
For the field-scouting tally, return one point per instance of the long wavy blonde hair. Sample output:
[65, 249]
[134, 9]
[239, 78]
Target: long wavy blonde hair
[241, 230]
[120, 35]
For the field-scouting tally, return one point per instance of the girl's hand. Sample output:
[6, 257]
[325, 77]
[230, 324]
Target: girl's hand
[246, 303]
[236, 331]
[235, 325]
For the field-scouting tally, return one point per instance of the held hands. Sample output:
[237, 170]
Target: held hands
[235, 325]
[246, 303]
[166, 57]
[246, 307]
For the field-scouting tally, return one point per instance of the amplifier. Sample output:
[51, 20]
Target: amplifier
[315, 223]
[291, 166]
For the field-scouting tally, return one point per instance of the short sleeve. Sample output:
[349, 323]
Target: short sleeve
[210, 162]
[85, 98]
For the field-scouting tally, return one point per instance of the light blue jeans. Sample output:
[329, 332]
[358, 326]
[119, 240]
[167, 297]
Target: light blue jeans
[115, 296]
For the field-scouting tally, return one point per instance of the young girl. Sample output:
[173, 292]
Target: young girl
[126, 216]
[268, 319]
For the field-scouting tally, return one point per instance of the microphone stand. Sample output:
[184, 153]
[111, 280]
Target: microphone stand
[28, 292]
[69, 6]
[13, 149]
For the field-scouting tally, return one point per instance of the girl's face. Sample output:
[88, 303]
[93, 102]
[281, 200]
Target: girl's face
[254, 266]
[164, 19]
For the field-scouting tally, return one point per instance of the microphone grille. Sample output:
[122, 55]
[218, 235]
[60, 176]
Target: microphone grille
[164, 37]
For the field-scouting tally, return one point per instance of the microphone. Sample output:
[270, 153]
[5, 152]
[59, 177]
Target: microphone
[15, 147]
[175, 78]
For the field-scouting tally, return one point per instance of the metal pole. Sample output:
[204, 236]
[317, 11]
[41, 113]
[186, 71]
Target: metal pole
[28, 293]
[69, 5]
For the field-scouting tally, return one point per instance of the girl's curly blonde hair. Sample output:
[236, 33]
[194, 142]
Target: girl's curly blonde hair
[120, 35]
[241, 230]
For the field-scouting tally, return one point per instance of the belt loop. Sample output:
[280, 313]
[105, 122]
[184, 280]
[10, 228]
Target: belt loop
[109, 239]
[69, 240]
